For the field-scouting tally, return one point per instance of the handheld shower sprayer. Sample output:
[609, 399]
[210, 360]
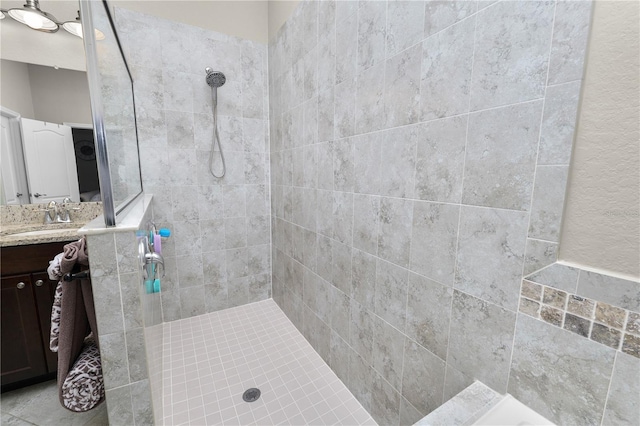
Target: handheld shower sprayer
[215, 79]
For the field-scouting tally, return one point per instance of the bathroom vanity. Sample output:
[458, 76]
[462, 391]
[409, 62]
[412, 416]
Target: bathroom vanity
[27, 297]
[26, 247]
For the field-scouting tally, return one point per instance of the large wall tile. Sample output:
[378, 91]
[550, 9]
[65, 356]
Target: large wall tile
[481, 340]
[371, 33]
[367, 158]
[361, 380]
[423, 377]
[490, 254]
[559, 374]
[433, 240]
[366, 213]
[370, 102]
[428, 314]
[617, 291]
[441, 14]
[569, 45]
[344, 108]
[440, 160]
[622, 403]
[558, 123]
[346, 48]
[402, 87]
[397, 162]
[501, 156]
[512, 53]
[363, 279]
[405, 25]
[385, 402]
[361, 331]
[548, 202]
[391, 293]
[446, 70]
[343, 165]
[539, 254]
[394, 234]
[113, 353]
[119, 407]
[558, 276]
[388, 350]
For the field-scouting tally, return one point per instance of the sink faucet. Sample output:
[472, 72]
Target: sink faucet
[51, 213]
[63, 212]
[58, 213]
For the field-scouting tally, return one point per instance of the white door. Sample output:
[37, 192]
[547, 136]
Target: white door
[14, 183]
[50, 160]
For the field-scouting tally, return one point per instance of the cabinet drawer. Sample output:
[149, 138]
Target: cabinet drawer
[27, 259]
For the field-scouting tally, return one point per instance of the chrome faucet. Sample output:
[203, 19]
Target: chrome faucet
[51, 213]
[58, 213]
[63, 211]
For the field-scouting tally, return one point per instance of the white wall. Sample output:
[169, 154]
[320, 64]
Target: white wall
[244, 19]
[44, 93]
[601, 227]
[60, 95]
[15, 89]
[279, 12]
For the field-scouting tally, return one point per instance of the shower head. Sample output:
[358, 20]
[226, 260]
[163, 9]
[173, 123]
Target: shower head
[215, 79]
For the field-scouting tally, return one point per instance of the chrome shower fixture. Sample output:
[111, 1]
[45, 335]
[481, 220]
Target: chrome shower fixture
[215, 79]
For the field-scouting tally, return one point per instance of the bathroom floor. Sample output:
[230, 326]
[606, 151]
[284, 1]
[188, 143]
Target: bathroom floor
[210, 360]
[39, 405]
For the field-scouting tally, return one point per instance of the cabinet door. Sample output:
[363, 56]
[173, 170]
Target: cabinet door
[44, 290]
[22, 354]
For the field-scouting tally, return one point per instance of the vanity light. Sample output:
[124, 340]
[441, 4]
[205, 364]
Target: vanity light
[75, 28]
[31, 15]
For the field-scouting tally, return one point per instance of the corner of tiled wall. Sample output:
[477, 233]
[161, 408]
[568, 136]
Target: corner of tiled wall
[419, 159]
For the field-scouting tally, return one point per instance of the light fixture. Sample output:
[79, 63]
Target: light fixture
[31, 15]
[75, 28]
[2, 15]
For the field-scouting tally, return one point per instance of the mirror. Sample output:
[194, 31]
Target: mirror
[100, 98]
[43, 80]
[112, 104]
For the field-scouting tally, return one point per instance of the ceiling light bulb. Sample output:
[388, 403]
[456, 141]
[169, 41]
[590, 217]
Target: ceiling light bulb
[34, 21]
[73, 27]
[34, 18]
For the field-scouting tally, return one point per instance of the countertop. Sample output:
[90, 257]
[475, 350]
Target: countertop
[12, 235]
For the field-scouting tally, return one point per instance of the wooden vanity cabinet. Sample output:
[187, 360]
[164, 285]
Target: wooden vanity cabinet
[26, 298]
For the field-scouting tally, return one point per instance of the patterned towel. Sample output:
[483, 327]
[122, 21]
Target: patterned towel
[54, 267]
[55, 319]
[83, 388]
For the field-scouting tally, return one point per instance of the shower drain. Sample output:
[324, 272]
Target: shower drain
[251, 395]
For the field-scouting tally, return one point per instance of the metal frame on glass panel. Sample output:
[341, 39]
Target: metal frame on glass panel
[93, 77]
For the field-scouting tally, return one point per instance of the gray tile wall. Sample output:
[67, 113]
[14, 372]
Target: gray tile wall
[419, 158]
[129, 329]
[219, 252]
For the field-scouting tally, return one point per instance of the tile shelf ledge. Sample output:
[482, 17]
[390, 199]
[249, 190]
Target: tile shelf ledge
[597, 306]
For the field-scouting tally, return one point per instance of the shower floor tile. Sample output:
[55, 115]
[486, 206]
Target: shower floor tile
[210, 360]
